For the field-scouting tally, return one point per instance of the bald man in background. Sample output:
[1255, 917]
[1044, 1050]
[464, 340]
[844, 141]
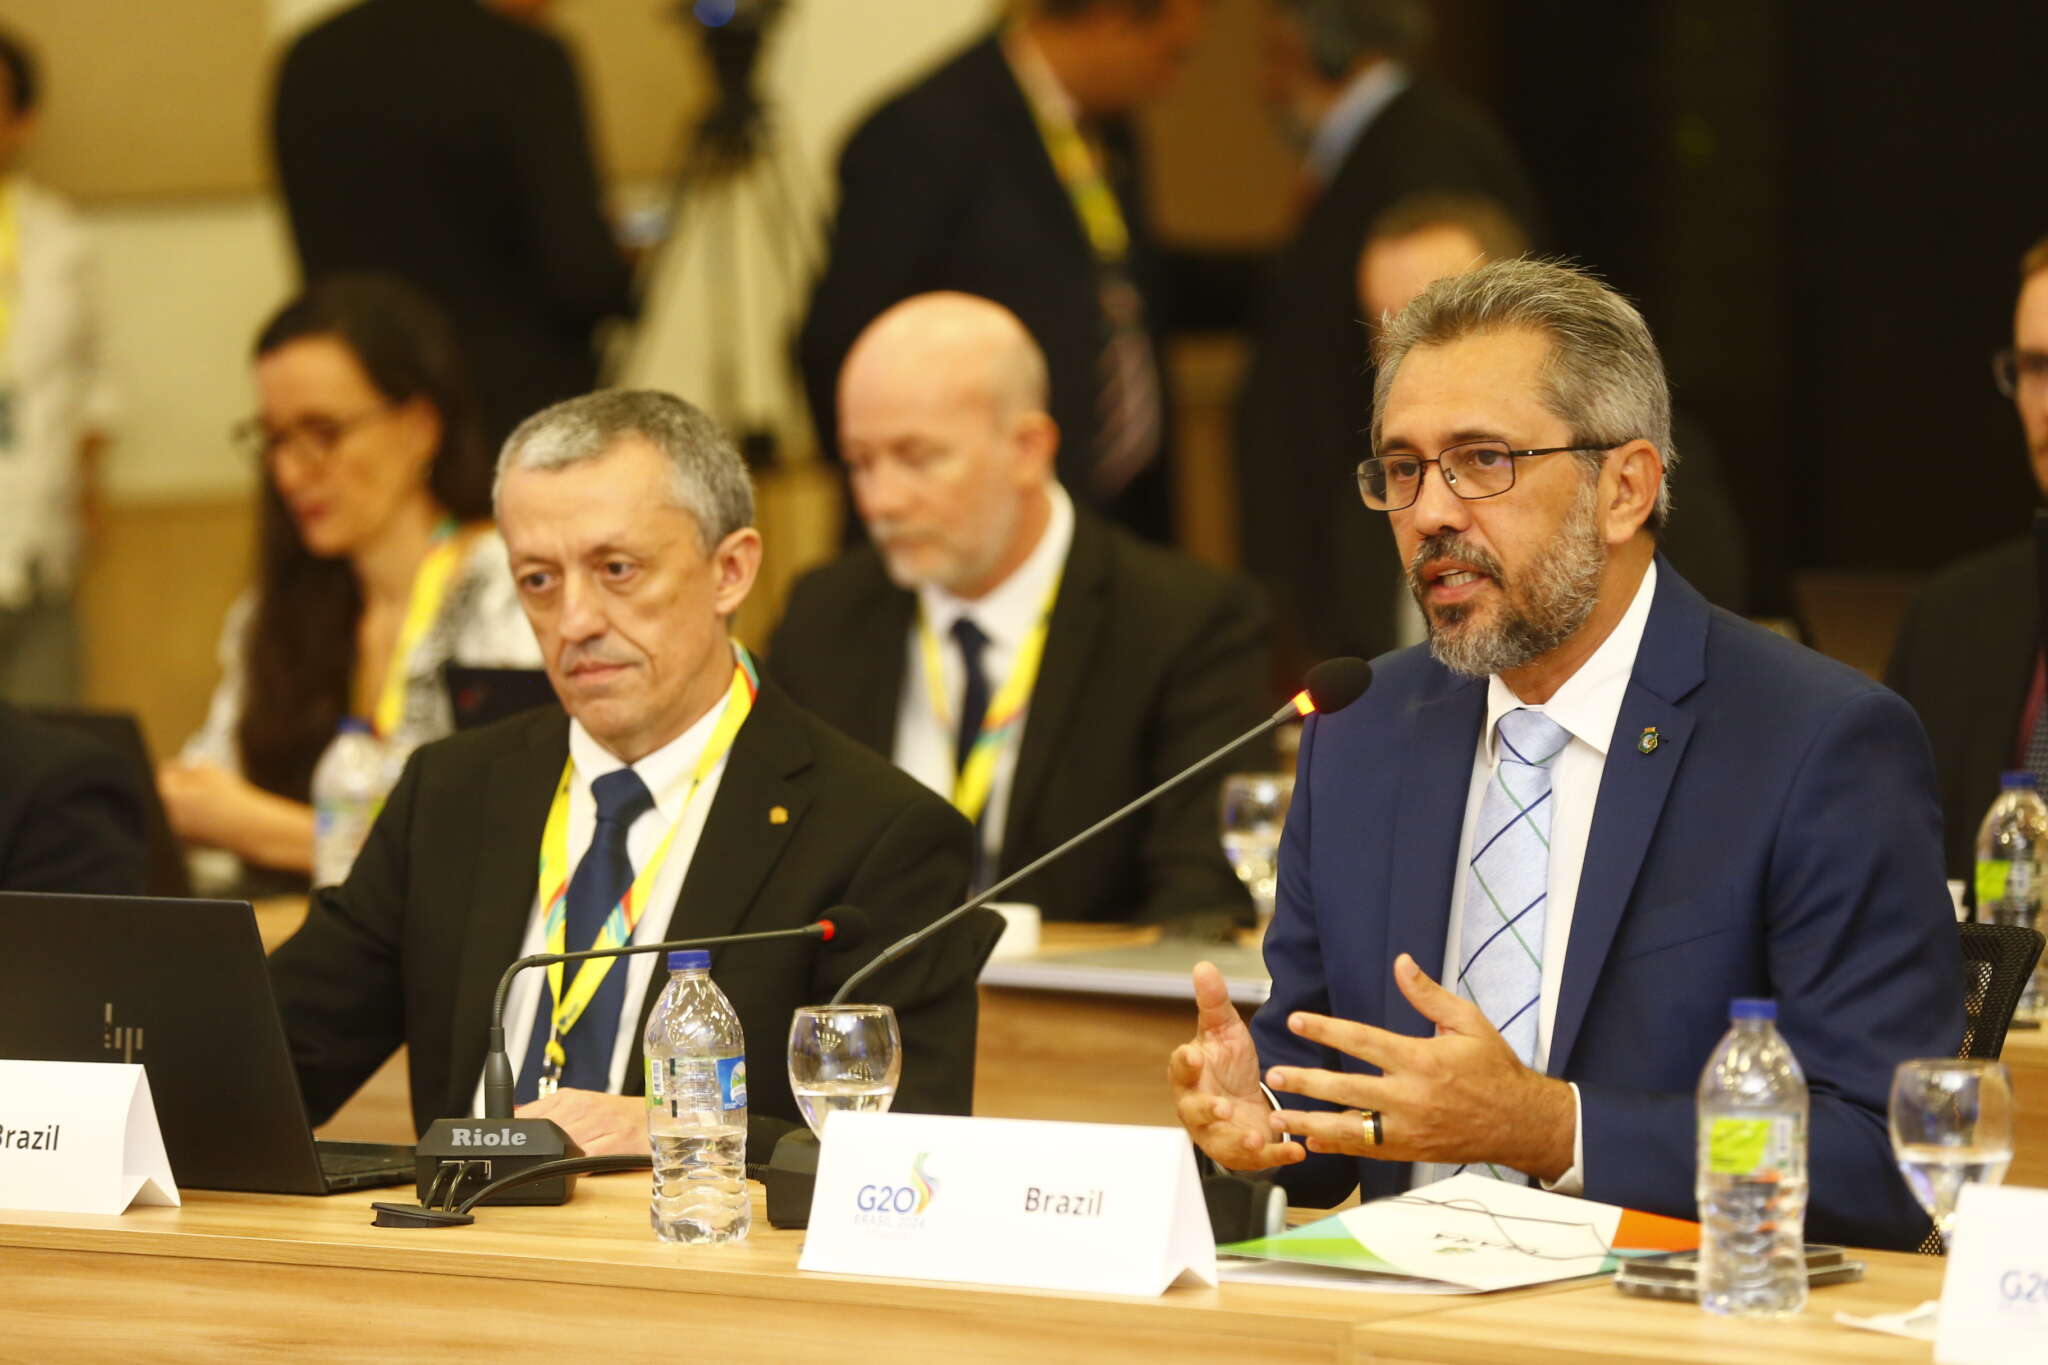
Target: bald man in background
[926, 643]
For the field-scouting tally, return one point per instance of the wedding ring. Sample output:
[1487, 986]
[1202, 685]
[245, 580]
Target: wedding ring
[1369, 1123]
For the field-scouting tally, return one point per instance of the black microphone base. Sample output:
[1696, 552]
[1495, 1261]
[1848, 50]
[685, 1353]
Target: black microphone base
[791, 1177]
[457, 1157]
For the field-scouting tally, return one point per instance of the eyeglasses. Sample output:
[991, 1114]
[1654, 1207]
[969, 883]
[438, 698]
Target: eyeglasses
[1474, 470]
[2013, 370]
[318, 437]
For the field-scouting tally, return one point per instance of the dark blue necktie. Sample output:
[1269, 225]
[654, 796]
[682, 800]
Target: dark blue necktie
[599, 883]
[974, 698]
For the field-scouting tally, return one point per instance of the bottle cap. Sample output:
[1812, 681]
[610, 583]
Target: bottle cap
[2007, 781]
[689, 959]
[1752, 1009]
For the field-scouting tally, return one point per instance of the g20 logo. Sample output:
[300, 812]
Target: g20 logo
[2023, 1286]
[910, 1199]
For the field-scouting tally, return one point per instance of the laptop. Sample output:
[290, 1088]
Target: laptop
[180, 986]
[121, 732]
[481, 696]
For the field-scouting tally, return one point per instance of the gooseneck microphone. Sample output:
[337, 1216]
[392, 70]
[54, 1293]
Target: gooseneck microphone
[843, 926]
[1330, 686]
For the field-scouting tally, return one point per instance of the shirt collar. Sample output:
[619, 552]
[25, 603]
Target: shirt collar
[666, 771]
[1007, 612]
[1589, 701]
[1370, 91]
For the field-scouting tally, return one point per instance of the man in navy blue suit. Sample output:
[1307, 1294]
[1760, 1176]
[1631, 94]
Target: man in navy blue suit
[1608, 805]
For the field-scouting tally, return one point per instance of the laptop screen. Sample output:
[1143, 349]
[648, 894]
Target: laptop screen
[181, 987]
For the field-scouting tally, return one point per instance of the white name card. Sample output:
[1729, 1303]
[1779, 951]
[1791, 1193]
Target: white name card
[1995, 1290]
[1077, 1206]
[1994, 1296]
[80, 1137]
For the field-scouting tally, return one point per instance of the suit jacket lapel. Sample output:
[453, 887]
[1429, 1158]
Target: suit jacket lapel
[1078, 615]
[1670, 663]
[522, 787]
[883, 640]
[1429, 821]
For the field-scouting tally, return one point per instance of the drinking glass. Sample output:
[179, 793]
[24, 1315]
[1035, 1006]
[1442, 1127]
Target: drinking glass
[843, 1057]
[1951, 1121]
[1254, 809]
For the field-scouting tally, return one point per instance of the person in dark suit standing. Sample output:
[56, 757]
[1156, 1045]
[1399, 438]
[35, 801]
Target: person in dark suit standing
[1010, 649]
[1375, 131]
[71, 816]
[1593, 806]
[443, 141]
[1968, 655]
[628, 519]
[1012, 173]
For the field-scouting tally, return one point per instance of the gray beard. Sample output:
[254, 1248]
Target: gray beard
[1557, 596]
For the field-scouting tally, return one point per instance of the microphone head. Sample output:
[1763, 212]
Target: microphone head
[850, 927]
[1334, 684]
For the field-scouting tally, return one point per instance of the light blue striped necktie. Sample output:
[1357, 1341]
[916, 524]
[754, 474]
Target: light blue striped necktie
[1500, 926]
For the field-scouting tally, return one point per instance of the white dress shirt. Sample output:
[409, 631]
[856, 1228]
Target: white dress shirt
[1586, 705]
[1007, 615]
[52, 366]
[1356, 106]
[666, 772]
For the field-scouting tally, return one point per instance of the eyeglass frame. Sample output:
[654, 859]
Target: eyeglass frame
[1451, 482]
[253, 436]
[2006, 373]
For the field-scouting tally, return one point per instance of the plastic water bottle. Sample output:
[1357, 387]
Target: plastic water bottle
[2012, 860]
[1751, 1178]
[697, 1108]
[348, 789]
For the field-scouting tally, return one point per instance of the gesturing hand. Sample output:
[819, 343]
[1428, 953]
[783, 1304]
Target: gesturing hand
[1461, 1096]
[1216, 1091]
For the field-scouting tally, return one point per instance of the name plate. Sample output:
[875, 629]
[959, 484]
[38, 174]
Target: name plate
[1994, 1296]
[80, 1137]
[1090, 1207]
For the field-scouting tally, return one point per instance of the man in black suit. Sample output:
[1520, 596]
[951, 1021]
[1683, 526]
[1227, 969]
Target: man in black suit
[1375, 131]
[1969, 654]
[628, 520]
[443, 141]
[1011, 172]
[70, 812]
[1009, 648]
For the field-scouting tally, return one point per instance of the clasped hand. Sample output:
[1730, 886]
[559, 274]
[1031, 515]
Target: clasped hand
[1460, 1096]
[602, 1125]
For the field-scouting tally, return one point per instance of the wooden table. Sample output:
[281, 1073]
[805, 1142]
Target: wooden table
[232, 1276]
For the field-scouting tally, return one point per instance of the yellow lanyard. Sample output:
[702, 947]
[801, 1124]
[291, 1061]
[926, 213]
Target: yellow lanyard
[618, 927]
[1076, 163]
[10, 266]
[971, 785]
[429, 590]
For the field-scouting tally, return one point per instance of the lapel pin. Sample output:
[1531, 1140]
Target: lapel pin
[1649, 742]
[778, 815]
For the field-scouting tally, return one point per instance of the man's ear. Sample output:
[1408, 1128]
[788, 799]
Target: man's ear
[1036, 439]
[1630, 480]
[735, 564]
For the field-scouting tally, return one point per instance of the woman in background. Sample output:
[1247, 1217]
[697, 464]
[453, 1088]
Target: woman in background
[377, 564]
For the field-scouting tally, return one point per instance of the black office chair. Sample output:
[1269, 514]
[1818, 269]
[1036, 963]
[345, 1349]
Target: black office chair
[1997, 960]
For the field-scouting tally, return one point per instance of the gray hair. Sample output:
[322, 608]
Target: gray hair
[709, 480]
[1604, 377]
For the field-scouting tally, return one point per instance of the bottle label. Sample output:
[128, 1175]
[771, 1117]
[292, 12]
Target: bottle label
[664, 1083]
[732, 1082]
[1991, 878]
[1749, 1147]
